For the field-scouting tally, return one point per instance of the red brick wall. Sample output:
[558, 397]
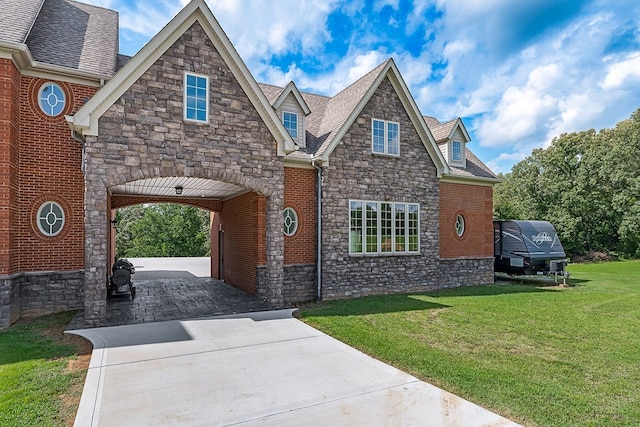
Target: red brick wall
[475, 203]
[49, 169]
[9, 138]
[214, 224]
[299, 194]
[243, 221]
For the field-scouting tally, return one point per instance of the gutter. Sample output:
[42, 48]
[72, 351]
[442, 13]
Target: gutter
[79, 138]
[319, 231]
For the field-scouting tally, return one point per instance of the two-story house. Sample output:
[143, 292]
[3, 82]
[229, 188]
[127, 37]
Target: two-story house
[312, 197]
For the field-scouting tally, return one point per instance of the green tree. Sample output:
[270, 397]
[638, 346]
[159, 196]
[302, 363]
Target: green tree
[162, 230]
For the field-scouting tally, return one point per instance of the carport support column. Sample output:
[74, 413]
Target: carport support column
[275, 250]
[95, 251]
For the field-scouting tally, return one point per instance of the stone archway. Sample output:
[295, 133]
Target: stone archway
[98, 183]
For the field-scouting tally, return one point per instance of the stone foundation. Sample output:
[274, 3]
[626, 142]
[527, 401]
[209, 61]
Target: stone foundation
[466, 272]
[299, 283]
[39, 293]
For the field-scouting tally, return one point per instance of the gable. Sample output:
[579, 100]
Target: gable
[86, 120]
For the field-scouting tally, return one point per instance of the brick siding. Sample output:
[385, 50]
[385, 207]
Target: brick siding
[475, 204]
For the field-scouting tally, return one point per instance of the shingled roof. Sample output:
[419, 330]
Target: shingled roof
[63, 33]
[440, 131]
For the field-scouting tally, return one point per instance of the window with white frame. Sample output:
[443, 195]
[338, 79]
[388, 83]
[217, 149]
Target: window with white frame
[383, 227]
[290, 221]
[459, 225]
[456, 151]
[50, 218]
[290, 121]
[51, 99]
[196, 97]
[385, 137]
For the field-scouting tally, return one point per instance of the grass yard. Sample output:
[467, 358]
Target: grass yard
[42, 372]
[546, 356]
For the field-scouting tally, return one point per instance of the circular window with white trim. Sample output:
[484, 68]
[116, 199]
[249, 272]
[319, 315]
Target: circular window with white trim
[51, 99]
[290, 221]
[50, 218]
[459, 225]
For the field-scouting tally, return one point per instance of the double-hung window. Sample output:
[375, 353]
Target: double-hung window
[196, 97]
[385, 137]
[383, 227]
[456, 151]
[290, 121]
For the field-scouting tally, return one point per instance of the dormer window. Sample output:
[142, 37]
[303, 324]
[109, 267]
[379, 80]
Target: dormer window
[456, 151]
[290, 121]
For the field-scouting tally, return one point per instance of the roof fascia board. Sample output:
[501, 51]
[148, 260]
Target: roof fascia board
[418, 121]
[462, 127]
[472, 180]
[293, 89]
[86, 119]
[412, 110]
[324, 158]
[21, 57]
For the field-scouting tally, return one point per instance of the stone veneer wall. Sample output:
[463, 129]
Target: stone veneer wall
[466, 272]
[299, 283]
[355, 173]
[40, 293]
[143, 135]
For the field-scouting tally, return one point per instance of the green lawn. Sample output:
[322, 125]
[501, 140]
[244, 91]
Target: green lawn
[41, 374]
[545, 356]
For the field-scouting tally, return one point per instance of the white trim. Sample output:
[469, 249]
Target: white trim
[85, 121]
[293, 89]
[40, 228]
[64, 98]
[385, 137]
[296, 221]
[391, 70]
[459, 225]
[297, 124]
[184, 98]
[471, 180]
[379, 244]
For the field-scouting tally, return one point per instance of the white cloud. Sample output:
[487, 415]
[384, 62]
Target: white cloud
[623, 74]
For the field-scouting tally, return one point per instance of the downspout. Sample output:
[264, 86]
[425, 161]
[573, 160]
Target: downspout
[319, 231]
[76, 137]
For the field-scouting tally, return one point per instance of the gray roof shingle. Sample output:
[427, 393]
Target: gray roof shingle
[440, 131]
[75, 35]
[16, 19]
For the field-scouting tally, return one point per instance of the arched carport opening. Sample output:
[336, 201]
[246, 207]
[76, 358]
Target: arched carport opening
[240, 218]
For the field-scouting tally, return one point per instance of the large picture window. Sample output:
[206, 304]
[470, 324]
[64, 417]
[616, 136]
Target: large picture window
[385, 137]
[383, 227]
[196, 97]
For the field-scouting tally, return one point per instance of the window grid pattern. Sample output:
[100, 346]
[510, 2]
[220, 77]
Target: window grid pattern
[196, 98]
[459, 225]
[384, 227]
[290, 121]
[290, 221]
[385, 137]
[50, 218]
[51, 99]
[456, 151]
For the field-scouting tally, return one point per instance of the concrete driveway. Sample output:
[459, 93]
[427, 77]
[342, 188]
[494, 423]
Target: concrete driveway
[264, 368]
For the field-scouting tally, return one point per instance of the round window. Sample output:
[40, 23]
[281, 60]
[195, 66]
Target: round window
[290, 221]
[459, 225]
[50, 218]
[51, 99]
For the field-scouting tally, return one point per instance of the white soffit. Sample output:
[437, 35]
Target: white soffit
[191, 187]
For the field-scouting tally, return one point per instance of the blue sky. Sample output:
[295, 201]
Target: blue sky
[519, 73]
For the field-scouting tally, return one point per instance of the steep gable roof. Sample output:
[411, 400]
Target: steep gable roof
[291, 88]
[343, 109]
[64, 36]
[85, 121]
[17, 18]
[444, 131]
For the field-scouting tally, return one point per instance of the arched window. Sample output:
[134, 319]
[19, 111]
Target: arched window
[50, 218]
[51, 99]
[290, 221]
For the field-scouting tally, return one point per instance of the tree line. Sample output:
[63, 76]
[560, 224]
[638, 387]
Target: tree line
[162, 230]
[587, 184]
